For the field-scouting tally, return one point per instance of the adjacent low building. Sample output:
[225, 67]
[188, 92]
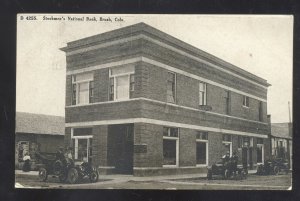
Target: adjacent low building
[282, 141]
[141, 102]
[37, 132]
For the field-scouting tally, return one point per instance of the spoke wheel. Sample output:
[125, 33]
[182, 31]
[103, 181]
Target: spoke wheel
[226, 174]
[73, 176]
[276, 170]
[94, 176]
[63, 177]
[43, 174]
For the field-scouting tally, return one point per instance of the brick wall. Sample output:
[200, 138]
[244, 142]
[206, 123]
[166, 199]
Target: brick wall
[104, 55]
[179, 61]
[100, 145]
[101, 84]
[114, 110]
[68, 90]
[187, 90]
[152, 136]
[214, 147]
[187, 147]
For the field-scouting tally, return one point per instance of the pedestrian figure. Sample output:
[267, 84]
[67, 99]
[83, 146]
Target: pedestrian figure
[26, 159]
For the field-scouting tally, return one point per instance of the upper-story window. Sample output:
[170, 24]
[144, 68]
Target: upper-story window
[202, 93]
[260, 111]
[227, 101]
[171, 87]
[82, 88]
[246, 101]
[121, 82]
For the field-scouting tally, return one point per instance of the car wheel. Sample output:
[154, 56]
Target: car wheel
[259, 170]
[94, 176]
[43, 174]
[276, 170]
[209, 174]
[63, 177]
[243, 174]
[73, 176]
[57, 167]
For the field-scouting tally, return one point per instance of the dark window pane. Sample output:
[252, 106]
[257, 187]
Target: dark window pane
[73, 94]
[260, 141]
[166, 131]
[227, 137]
[91, 91]
[171, 88]
[169, 152]
[82, 131]
[259, 154]
[202, 135]
[201, 152]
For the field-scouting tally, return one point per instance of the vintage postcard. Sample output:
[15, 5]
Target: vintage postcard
[129, 101]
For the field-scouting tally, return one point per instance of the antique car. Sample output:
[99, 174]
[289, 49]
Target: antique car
[53, 165]
[82, 170]
[227, 169]
[65, 169]
[273, 166]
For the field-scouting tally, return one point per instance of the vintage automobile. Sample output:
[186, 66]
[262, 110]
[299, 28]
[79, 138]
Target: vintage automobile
[53, 165]
[65, 169]
[82, 170]
[273, 166]
[227, 168]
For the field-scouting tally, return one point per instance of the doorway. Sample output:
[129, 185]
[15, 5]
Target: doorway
[245, 157]
[120, 148]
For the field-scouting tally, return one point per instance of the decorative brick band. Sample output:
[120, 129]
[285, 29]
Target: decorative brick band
[164, 123]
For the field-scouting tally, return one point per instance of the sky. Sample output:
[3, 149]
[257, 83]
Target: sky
[262, 45]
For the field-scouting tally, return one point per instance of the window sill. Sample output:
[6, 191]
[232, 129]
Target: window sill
[170, 166]
[201, 165]
[246, 107]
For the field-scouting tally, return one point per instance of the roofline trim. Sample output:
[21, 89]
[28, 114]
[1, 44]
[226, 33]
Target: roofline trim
[143, 36]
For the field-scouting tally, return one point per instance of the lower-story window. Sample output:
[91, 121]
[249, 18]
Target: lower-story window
[260, 151]
[170, 146]
[201, 153]
[202, 148]
[227, 143]
[82, 144]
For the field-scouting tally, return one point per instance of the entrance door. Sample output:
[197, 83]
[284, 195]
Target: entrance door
[83, 149]
[250, 158]
[245, 157]
[120, 146]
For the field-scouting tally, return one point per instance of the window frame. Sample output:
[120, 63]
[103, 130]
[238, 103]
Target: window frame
[227, 102]
[76, 83]
[76, 138]
[177, 145]
[206, 142]
[175, 87]
[262, 146]
[225, 142]
[246, 101]
[114, 77]
[204, 93]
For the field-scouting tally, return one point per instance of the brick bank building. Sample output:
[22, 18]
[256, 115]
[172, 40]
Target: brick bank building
[141, 102]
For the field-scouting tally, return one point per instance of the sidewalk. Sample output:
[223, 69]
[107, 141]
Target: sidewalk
[123, 178]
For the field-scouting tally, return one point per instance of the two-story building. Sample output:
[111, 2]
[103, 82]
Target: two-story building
[141, 102]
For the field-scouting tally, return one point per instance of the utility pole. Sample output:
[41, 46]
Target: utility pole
[289, 112]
